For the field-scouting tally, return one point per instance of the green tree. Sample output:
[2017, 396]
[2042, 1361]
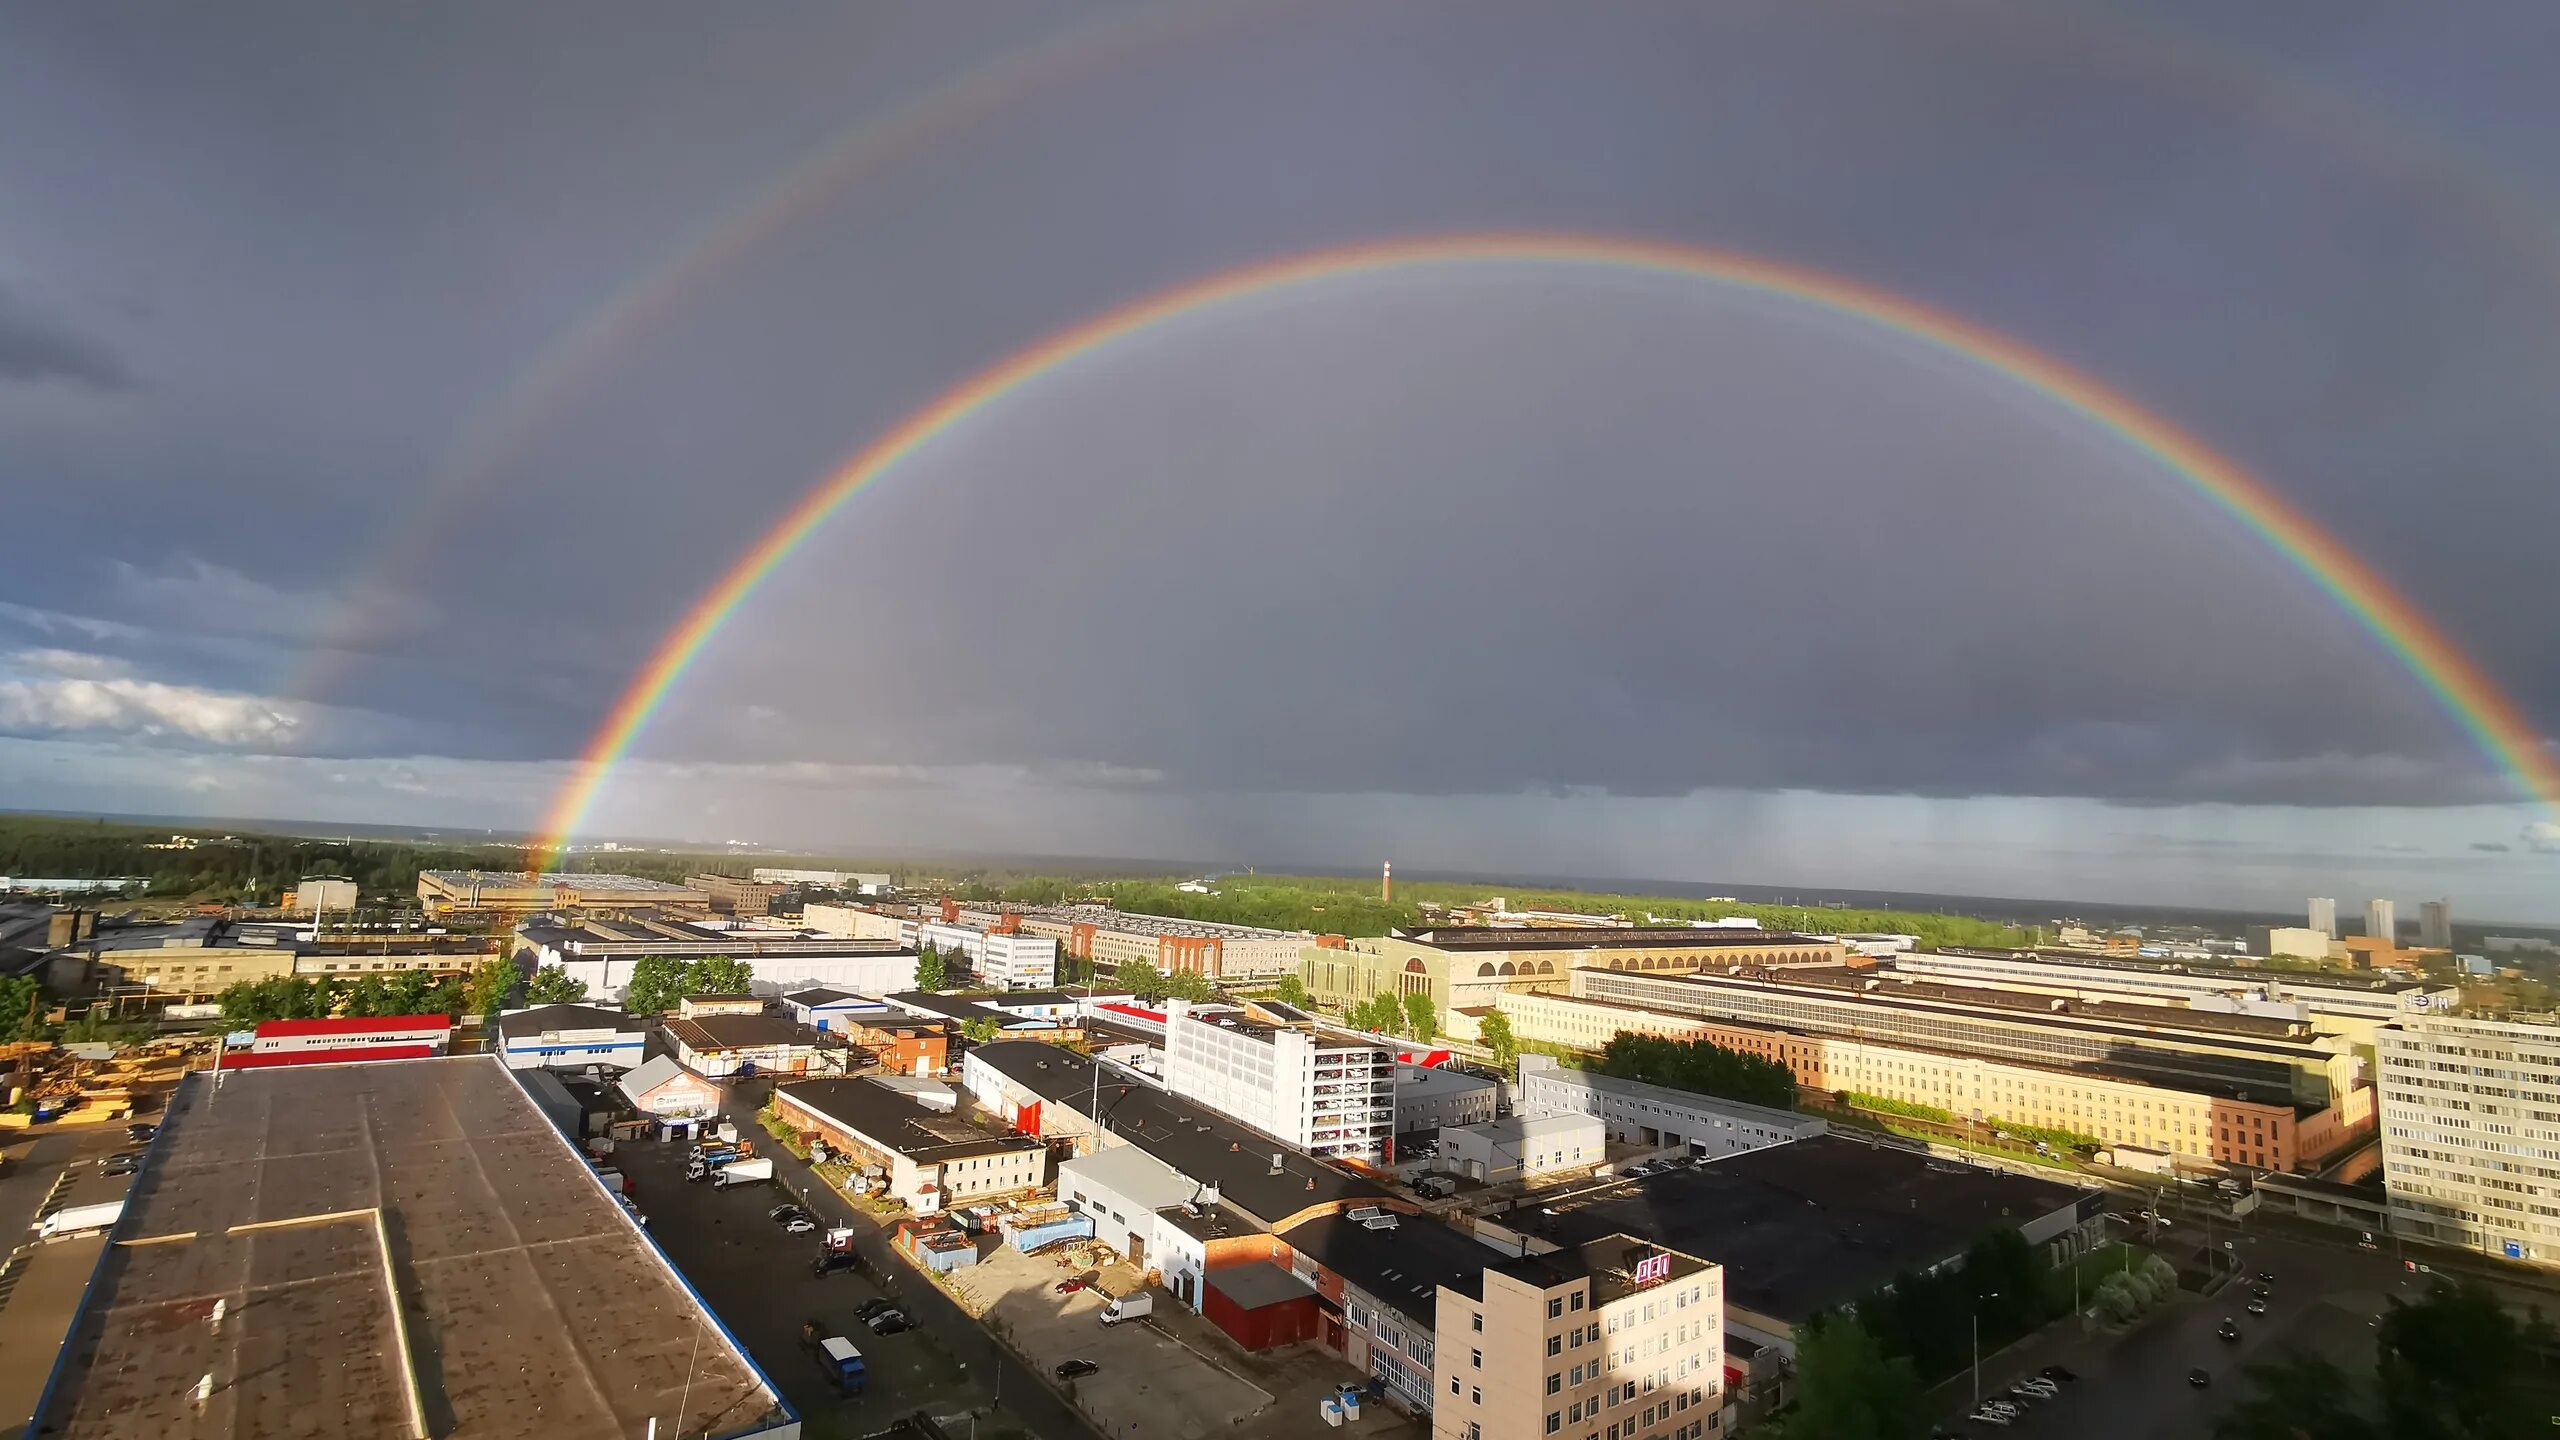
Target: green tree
[2457, 1365]
[1698, 1066]
[980, 1029]
[21, 1001]
[370, 995]
[1291, 990]
[719, 975]
[932, 971]
[1849, 1388]
[1140, 979]
[485, 993]
[1381, 1012]
[656, 983]
[2298, 1396]
[1421, 1016]
[1494, 1031]
[552, 985]
[1190, 985]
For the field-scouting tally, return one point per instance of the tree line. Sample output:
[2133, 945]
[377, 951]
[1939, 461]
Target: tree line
[1698, 1066]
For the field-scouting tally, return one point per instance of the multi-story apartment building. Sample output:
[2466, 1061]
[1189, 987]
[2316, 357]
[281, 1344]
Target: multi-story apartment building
[2380, 922]
[1002, 960]
[2471, 1133]
[2199, 1121]
[1328, 1094]
[1616, 1337]
[2324, 916]
[2435, 925]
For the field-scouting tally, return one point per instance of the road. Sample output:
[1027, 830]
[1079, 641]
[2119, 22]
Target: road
[1025, 1393]
[2135, 1387]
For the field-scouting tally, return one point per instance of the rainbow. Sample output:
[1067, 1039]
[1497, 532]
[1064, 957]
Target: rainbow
[2467, 695]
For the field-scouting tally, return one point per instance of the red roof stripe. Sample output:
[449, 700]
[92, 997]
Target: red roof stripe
[346, 1054]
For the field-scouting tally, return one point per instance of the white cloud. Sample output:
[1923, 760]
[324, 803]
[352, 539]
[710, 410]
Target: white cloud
[72, 703]
[2542, 836]
[70, 662]
[56, 622]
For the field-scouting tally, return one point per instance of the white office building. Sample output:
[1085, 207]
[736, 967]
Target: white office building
[1657, 1116]
[1523, 1147]
[1001, 961]
[2471, 1133]
[1327, 1094]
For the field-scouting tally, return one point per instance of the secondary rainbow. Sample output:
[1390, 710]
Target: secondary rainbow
[2466, 693]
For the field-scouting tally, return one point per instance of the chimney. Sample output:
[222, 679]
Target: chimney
[1387, 883]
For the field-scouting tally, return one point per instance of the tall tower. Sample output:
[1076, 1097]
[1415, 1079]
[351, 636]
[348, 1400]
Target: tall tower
[2435, 924]
[2324, 915]
[1387, 883]
[2380, 922]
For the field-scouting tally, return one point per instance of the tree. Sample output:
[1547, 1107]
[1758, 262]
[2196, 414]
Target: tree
[1140, 979]
[21, 999]
[485, 993]
[2457, 1365]
[932, 971]
[369, 995]
[1849, 1388]
[1494, 1030]
[2297, 1395]
[1380, 1012]
[552, 985]
[1698, 1066]
[719, 975]
[1421, 1016]
[1291, 991]
[1189, 985]
[656, 983]
[980, 1029]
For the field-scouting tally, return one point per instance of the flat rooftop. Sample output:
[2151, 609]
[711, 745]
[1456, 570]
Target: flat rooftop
[1807, 1224]
[1492, 937]
[390, 1242]
[891, 1119]
[584, 883]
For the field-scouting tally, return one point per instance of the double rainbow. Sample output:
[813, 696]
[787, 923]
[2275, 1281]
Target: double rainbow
[2467, 695]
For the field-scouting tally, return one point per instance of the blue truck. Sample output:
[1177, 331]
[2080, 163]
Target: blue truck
[836, 1356]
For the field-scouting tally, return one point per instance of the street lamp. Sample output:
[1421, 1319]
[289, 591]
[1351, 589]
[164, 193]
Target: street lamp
[1977, 1346]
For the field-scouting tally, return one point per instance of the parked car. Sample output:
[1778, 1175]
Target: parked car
[785, 1211]
[120, 1164]
[2228, 1330]
[2063, 1373]
[1075, 1369]
[2035, 1389]
[140, 1131]
[1070, 1285]
[2256, 1306]
[2199, 1378]
[873, 1306]
[1989, 1416]
[2266, 1277]
[831, 1261]
[889, 1322]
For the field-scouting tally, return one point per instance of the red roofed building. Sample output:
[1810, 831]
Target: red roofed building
[354, 1033]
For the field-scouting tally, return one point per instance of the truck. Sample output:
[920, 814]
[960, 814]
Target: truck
[615, 1181]
[707, 1158]
[836, 1356]
[1128, 1307]
[80, 1219]
[741, 1172]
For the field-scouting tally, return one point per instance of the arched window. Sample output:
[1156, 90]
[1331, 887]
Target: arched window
[1484, 969]
[1506, 969]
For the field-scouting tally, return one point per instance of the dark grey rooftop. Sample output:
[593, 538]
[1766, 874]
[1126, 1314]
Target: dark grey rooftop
[1256, 1284]
[563, 1017]
[894, 1122]
[1810, 1223]
[1403, 1266]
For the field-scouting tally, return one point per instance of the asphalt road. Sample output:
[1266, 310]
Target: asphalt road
[2136, 1387]
[1025, 1394]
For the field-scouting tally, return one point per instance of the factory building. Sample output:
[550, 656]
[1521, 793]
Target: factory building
[1108, 938]
[730, 895]
[1462, 967]
[600, 951]
[934, 1156]
[1522, 1147]
[570, 1037]
[1431, 1097]
[2335, 1003]
[504, 892]
[313, 896]
[855, 922]
[862, 881]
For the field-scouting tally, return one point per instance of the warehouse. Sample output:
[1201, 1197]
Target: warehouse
[507, 892]
[1657, 1116]
[570, 1037]
[1122, 1188]
[719, 1046]
[600, 953]
[935, 1157]
[353, 1033]
[393, 1250]
[1523, 1147]
[662, 1089]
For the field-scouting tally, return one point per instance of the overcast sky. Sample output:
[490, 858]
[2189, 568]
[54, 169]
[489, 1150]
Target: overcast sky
[377, 388]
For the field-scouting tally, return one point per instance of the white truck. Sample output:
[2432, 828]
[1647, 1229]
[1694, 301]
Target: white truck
[741, 1172]
[80, 1219]
[1129, 1307]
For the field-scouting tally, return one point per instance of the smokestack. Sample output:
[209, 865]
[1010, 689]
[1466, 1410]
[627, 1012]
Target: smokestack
[1387, 883]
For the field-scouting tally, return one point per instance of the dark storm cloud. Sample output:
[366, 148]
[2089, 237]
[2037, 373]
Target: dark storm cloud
[35, 349]
[1413, 539]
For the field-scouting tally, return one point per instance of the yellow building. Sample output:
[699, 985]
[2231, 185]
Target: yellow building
[1463, 967]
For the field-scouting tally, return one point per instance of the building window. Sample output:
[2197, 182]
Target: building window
[1475, 1322]
[1555, 1421]
[1476, 1358]
[1555, 1344]
[1555, 1383]
[1555, 1309]
[1577, 1299]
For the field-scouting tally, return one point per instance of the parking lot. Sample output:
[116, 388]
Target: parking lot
[757, 1279]
[41, 1282]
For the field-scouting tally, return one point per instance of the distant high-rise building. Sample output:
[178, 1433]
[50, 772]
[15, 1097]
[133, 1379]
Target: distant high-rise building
[2435, 924]
[2324, 915]
[2380, 922]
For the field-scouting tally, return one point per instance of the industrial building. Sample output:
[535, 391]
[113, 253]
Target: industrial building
[2334, 1003]
[352, 1037]
[1002, 960]
[856, 922]
[391, 1250]
[832, 1009]
[1616, 1335]
[506, 892]
[2471, 1133]
[1328, 1094]
[1522, 1147]
[1108, 938]
[865, 881]
[601, 951]
[935, 1157]
[1429, 1097]
[1465, 966]
[570, 1037]
[1807, 1226]
[662, 1089]
[313, 896]
[2202, 1122]
[730, 895]
[1123, 1188]
[719, 1046]
[1657, 1116]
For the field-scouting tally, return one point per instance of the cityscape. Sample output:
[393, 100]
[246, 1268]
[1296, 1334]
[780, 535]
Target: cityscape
[1489, 722]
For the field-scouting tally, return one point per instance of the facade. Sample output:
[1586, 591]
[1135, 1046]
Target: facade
[2471, 1133]
[902, 1045]
[662, 1089]
[313, 896]
[720, 1046]
[1435, 1096]
[868, 882]
[1329, 1095]
[854, 922]
[2324, 916]
[825, 1009]
[1524, 1147]
[570, 1037]
[2299, 942]
[353, 1033]
[2336, 1004]
[1461, 967]
[1109, 938]
[935, 1158]
[504, 892]
[2435, 925]
[1122, 1188]
[2196, 1124]
[1657, 1116]
[1000, 960]
[2379, 923]
[601, 951]
[730, 895]
[1617, 1336]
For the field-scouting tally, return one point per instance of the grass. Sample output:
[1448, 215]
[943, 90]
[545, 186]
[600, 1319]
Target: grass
[1933, 1134]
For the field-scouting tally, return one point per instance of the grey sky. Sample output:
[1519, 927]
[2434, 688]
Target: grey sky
[1523, 565]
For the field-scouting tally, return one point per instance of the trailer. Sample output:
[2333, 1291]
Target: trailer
[79, 1219]
[741, 1172]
